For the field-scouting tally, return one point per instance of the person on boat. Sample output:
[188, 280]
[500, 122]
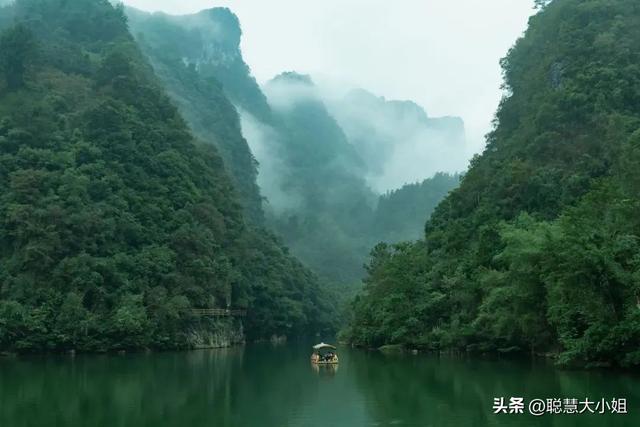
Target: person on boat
[320, 356]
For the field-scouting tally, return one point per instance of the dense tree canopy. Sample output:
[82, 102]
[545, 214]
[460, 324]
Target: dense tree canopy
[400, 214]
[114, 220]
[176, 52]
[312, 175]
[16, 52]
[537, 250]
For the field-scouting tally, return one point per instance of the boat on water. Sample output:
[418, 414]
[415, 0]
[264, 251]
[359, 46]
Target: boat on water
[324, 354]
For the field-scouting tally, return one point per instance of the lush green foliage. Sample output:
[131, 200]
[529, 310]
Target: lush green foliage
[114, 220]
[400, 214]
[319, 201]
[330, 210]
[538, 248]
[331, 223]
[17, 50]
[332, 218]
[176, 55]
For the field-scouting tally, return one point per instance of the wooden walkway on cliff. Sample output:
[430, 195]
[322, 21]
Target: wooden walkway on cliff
[218, 312]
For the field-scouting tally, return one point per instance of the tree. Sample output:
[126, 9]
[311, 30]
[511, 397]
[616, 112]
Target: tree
[114, 219]
[17, 48]
[538, 248]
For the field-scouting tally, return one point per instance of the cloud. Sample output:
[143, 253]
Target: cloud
[264, 142]
[444, 54]
[288, 90]
[398, 141]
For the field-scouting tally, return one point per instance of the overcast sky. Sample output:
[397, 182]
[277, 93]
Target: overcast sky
[442, 54]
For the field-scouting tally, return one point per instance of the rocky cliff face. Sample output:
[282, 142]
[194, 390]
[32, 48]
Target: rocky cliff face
[209, 41]
[212, 333]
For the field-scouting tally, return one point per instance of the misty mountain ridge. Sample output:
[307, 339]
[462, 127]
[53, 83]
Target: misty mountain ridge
[400, 132]
[291, 94]
[537, 251]
[178, 61]
[402, 110]
[321, 164]
[398, 141]
[118, 216]
[209, 41]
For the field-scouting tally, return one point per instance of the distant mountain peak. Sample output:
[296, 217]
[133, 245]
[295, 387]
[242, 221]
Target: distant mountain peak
[405, 108]
[293, 77]
[291, 89]
[218, 29]
[398, 141]
[227, 25]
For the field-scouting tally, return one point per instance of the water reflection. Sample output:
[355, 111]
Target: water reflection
[269, 386]
[325, 370]
[458, 392]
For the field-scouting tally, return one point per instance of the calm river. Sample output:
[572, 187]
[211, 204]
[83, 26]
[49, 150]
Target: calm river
[275, 386]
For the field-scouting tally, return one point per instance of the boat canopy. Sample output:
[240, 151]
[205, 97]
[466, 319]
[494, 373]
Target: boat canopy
[323, 346]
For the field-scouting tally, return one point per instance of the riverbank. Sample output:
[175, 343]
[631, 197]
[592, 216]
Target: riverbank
[205, 333]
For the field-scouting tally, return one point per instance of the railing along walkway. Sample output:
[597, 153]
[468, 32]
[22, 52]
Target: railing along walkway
[218, 312]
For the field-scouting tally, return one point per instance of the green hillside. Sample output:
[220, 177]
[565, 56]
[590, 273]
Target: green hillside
[537, 251]
[176, 47]
[329, 211]
[311, 173]
[114, 220]
[400, 214]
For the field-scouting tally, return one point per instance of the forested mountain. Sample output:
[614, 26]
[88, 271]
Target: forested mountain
[204, 48]
[312, 176]
[187, 54]
[326, 219]
[397, 140]
[208, 41]
[115, 220]
[538, 249]
[400, 214]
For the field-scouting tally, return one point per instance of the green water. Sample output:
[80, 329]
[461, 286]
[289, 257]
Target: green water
[275, 386]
